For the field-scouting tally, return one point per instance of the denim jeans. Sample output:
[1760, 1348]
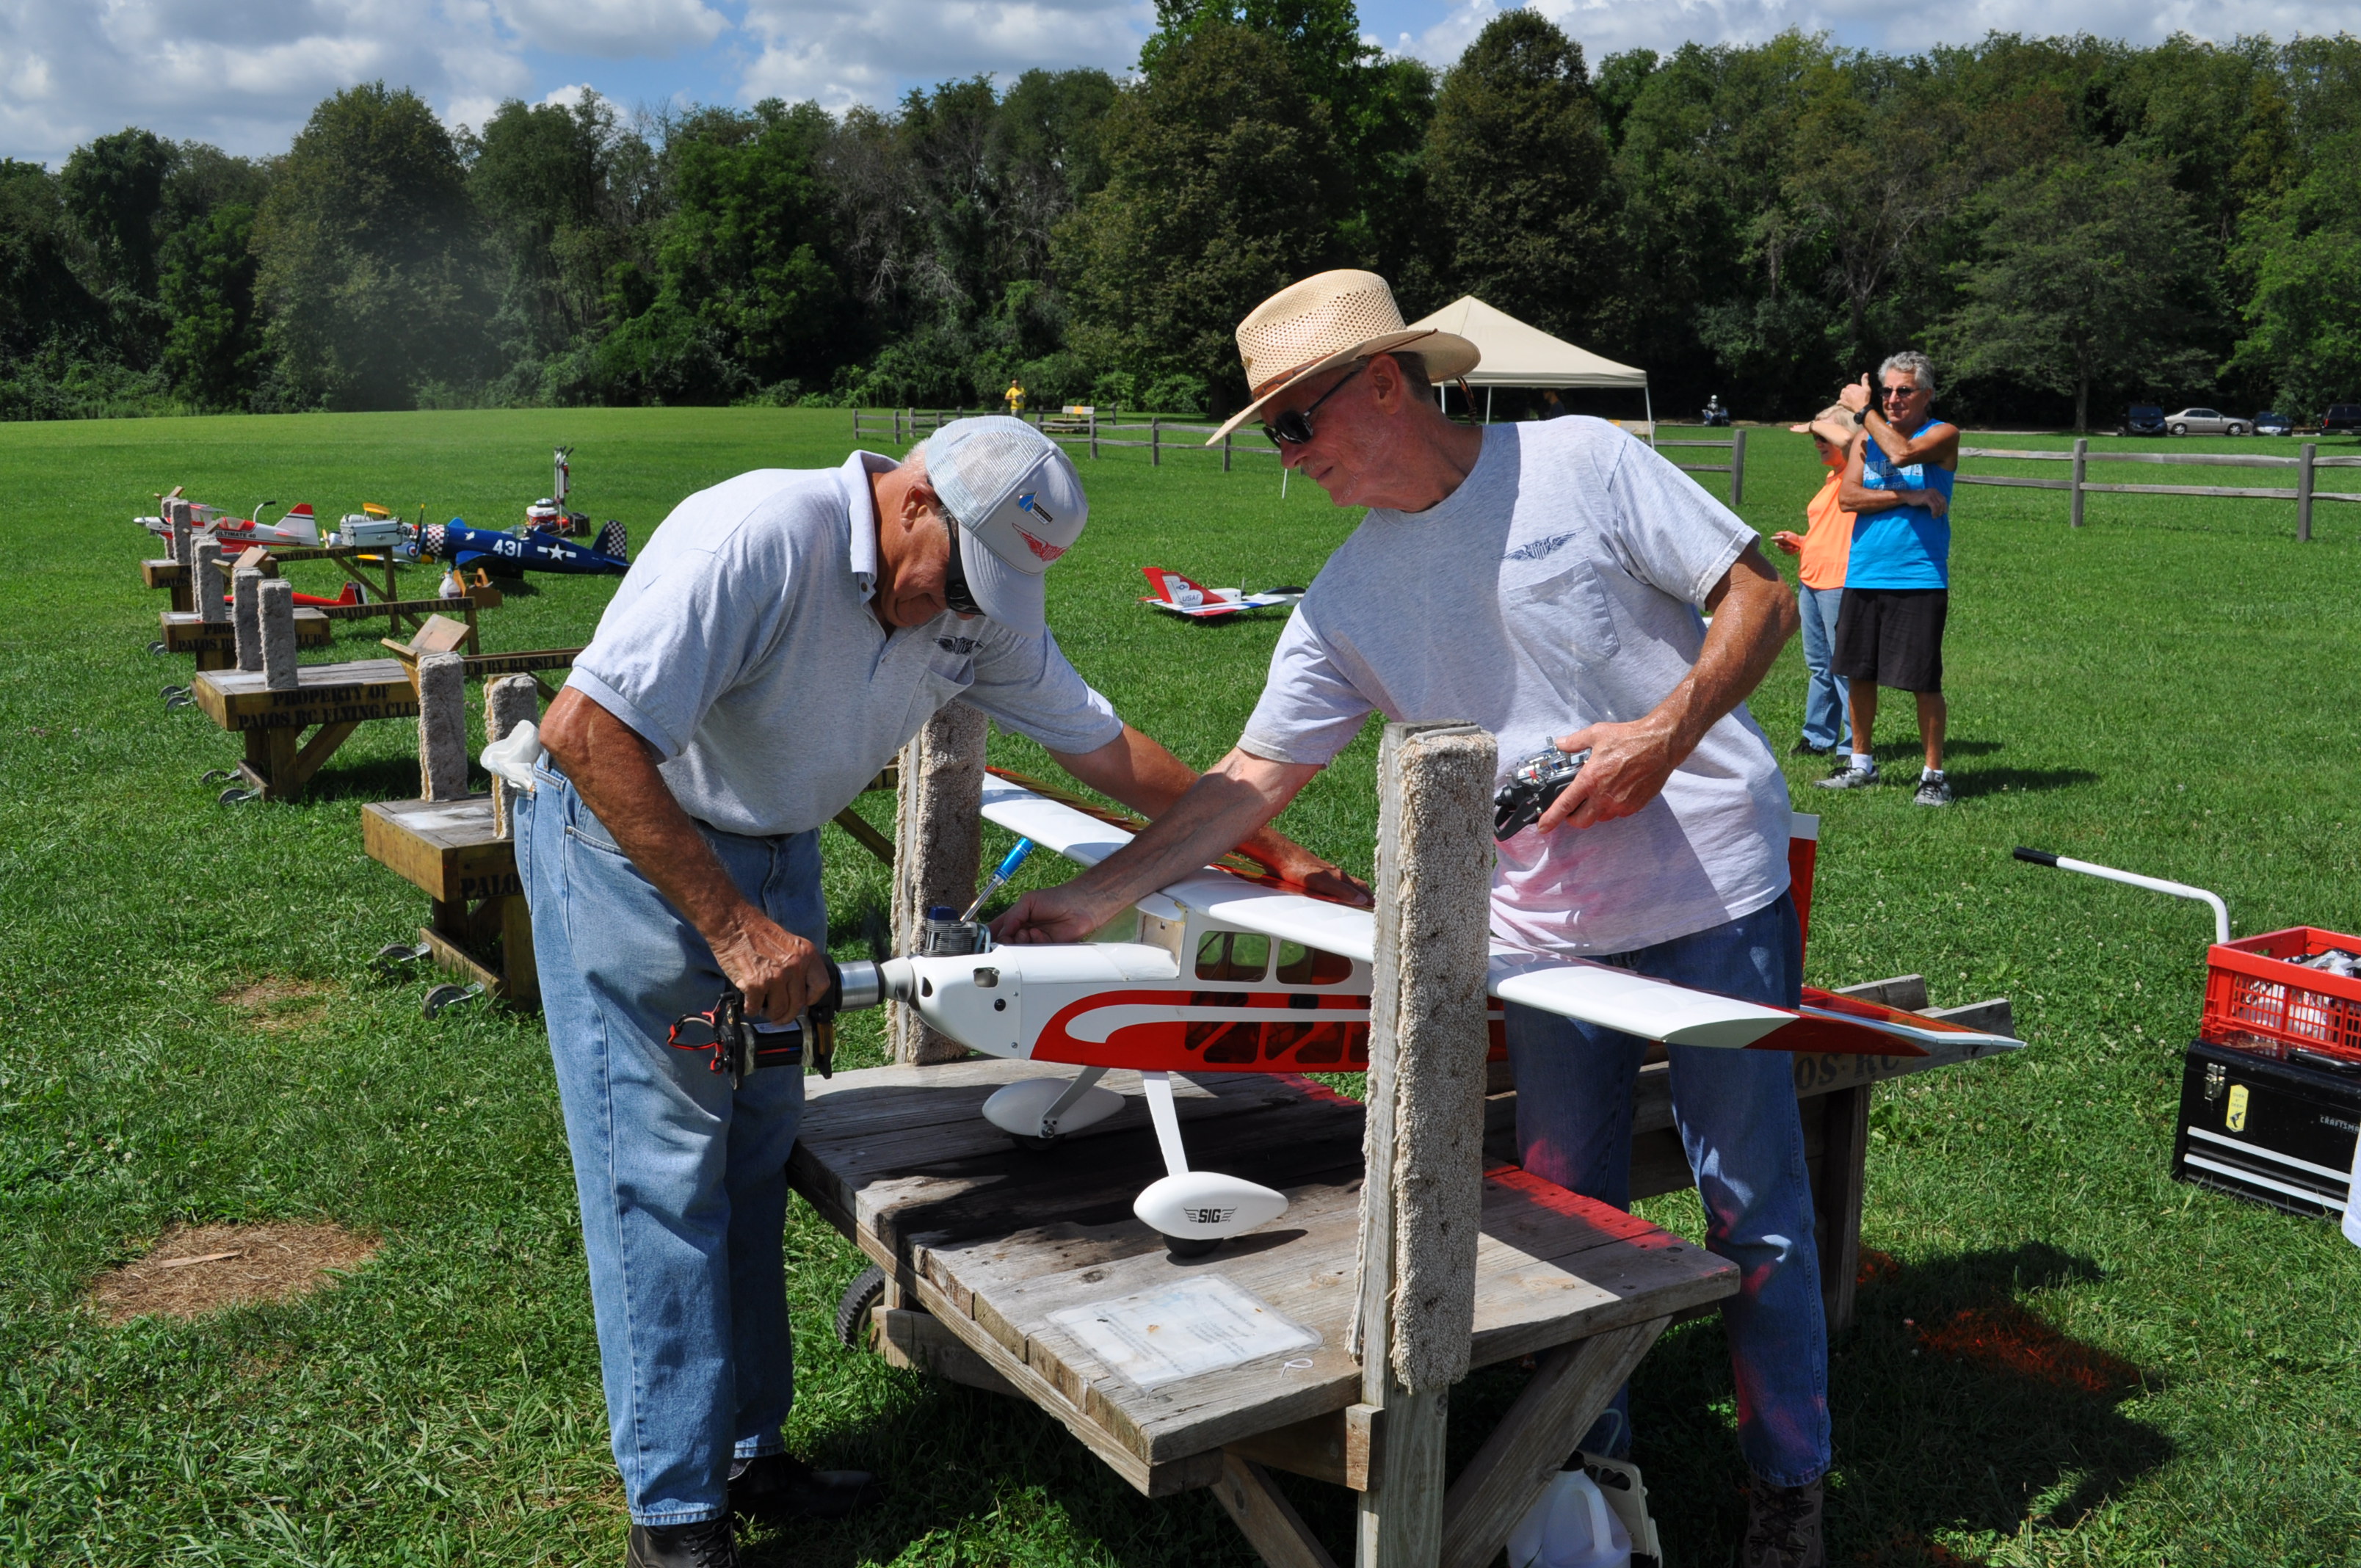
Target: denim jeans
[682, 1181]
[1737, 1116]
[1827, 720]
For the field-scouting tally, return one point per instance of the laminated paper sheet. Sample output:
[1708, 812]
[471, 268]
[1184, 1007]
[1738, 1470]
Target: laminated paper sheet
[1202, 1325]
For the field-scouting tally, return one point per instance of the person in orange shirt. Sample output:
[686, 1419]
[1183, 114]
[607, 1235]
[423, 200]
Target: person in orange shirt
[1824, 546]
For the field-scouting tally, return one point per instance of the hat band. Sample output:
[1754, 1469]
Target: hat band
[1267, 387]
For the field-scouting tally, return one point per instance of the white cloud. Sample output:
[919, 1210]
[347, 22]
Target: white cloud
[614, 29]
[846, 51]
[1608, 26]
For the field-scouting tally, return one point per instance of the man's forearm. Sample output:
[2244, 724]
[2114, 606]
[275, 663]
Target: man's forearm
[1137, 770]
[1752, 622]
[1221, 811]
[614, 772]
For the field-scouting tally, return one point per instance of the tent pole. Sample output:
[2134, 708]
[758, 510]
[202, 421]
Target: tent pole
[1648, 396]
[1487, 403]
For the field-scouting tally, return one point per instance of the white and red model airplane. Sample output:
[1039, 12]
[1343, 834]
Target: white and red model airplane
[1179, 594]
[1229, 971]
[296, 527]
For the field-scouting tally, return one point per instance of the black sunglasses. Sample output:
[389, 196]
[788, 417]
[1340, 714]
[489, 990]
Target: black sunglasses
[1294, 426]
[1895, 391]
[955, 588]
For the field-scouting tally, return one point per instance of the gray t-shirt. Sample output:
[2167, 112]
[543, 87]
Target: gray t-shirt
[1555, 589]
[742, 647]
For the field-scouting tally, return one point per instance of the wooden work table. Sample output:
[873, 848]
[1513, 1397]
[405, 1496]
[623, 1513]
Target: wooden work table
[336, 698]
[984, 1243]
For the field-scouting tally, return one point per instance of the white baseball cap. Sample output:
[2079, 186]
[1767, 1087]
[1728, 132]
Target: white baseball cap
[1019, 506]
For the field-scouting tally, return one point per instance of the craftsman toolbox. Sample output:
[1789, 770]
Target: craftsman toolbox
[2270, 1094]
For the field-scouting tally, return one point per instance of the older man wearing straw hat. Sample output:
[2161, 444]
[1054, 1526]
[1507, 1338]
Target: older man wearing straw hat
[1545, 581]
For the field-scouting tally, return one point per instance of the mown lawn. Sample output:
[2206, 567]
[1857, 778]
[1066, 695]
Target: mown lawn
[2073, 1359]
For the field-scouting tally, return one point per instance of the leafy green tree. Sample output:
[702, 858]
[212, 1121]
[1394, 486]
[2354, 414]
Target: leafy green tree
[2083, 278]
[371, 264]
[543, 176]
[2303, 315]
[1223, 188]
[113, 187]
[1517, 168]
[213, 348]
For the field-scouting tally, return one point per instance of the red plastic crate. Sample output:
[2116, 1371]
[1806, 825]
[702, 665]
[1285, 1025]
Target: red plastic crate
[2253, 993]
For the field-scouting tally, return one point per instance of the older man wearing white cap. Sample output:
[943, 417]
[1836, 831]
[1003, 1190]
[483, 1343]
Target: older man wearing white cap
[778, 640]
[1544, 581]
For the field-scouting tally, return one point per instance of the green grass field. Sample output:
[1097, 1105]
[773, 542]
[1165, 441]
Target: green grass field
[2075, 1362]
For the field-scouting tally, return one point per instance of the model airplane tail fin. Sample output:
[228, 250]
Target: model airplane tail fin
[300, 522]
[614, 539]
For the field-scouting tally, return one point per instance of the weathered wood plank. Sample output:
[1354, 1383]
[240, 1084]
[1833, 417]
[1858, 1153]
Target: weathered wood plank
[1266, 1518]
[919, 1341]
[1534, 1439]
[354, 691]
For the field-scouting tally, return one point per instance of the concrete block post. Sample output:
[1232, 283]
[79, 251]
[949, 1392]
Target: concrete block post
[938, 845]
[1422, 1200]
[508, 701]
[176, 517]
[207, 583]
[443, 727]
[277, 599]
[2074, 491]
[245, 589]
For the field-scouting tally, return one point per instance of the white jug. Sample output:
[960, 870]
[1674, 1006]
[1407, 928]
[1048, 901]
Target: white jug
[2353, 1200]
[1570, 1526]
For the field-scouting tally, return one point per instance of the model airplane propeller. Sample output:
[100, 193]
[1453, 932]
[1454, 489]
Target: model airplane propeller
[1181, 597]
[507, 553]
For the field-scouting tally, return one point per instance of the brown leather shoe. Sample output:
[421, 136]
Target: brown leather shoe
[713, 1544]
[1782, 1527]
[781, 1486]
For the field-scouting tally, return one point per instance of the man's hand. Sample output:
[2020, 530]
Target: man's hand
[1065, 914]
[1855, 397]
[1627, 768]
[1934, 502]
[1789, 540]
[778, 972]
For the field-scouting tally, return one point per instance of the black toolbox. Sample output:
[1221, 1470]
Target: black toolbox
[2269, 1121]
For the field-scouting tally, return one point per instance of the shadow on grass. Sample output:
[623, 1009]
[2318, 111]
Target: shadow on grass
[1954, 1410]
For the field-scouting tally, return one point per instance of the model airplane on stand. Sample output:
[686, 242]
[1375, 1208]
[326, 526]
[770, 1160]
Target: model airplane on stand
[295, 528]
[1229, 970]
[530, 550]
[1178, 595]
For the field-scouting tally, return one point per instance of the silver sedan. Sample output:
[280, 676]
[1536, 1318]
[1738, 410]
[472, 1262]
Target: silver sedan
[2206, 421]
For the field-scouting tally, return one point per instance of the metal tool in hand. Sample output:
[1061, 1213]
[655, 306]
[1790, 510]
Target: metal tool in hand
[740, 1044]
[999, 879]
[1532, 788]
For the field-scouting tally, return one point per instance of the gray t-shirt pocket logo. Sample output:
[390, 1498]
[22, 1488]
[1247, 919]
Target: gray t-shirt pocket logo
[1563, 613]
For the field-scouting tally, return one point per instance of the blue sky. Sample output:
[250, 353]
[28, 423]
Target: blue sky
[244, 73]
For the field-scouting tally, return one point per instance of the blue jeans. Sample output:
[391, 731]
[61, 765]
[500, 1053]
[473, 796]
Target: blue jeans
[1736, 1112]
[1827, 720]
[682, 1181]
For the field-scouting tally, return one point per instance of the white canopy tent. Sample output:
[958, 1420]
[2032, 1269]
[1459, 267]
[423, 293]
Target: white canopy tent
[1516, 354]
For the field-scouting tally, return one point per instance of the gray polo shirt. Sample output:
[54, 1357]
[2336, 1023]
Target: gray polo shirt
[742, 647]
[1557, 586]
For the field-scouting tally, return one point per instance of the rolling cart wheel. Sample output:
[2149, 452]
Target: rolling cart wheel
[443, 996]
[218, 775]
[1180, 1249]
[393, 960]
[866, 1290]
[157, 646]
[169, 692]
[235, 796]
[180, 701]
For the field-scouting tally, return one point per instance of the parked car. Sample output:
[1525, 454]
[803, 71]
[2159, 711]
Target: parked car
[2269, 423]
[2342, 418]
[2142, 418]
[2203, 422]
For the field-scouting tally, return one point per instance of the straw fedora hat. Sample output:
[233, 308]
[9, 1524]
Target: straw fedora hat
[1331, 319]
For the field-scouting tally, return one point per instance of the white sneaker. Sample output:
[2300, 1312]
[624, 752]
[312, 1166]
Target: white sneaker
[1850, 777]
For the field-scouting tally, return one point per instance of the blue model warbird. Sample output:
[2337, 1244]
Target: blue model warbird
[508, 553]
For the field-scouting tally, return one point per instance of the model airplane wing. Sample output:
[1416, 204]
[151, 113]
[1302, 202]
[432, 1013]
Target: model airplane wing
[1178, 595]
[1596, 993]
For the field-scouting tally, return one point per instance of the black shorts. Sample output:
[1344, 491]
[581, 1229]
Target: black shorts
[1892, 637]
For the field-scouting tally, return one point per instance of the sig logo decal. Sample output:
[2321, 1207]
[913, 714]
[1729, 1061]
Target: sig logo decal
[1208, 1216]
[2236, 1118]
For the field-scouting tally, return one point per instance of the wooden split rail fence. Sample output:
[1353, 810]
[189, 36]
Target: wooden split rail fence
[1735, 467]
[2303, 493]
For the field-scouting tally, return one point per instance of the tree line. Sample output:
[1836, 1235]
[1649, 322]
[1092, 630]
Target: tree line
[2065, 222]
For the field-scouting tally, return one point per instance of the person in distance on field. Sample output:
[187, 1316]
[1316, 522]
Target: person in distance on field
[1823, 545]
[1545, 580]
[1897, 576]
[778, 640]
